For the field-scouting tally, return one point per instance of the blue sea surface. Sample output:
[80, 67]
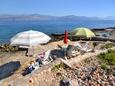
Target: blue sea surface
[9, 28]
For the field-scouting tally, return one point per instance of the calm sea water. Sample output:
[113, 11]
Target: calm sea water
[9, 29]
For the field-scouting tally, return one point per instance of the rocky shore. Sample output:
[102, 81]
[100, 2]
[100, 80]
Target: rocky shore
[102, 34]
[93, 75]
[88, 73]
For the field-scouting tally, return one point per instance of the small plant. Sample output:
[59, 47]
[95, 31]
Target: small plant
[58, 66]
[108, 45]
[8, 48]
[104, 66]
[107, 61]
[1, 52]
[107, 68]
[108, 58]
[87, 60]
[109, 71]
[95, 44]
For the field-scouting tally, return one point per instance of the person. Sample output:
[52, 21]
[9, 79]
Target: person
[41, 55]
[36, 65]
[32, 66]
[29, 69]
[39, 60]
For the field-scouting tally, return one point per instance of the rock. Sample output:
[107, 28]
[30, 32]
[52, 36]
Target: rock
[112, 83]
[99, 81]
[80, 82]
[74, 82]
[65, 82]
[104, 76]
[106, 83]
[89, 77]
[89, 82]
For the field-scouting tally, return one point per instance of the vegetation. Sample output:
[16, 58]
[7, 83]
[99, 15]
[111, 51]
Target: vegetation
[88, 60]
[108, 58]
[8, 48]
[107, 61]
[58, 67]
[108, 45]
[1, 53]
[95, 44]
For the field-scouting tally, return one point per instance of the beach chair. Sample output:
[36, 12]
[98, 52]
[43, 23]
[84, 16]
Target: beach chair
[64, 50]
[47, 53]
[78, 45]
[72, 51]
[86, 48]
[47, 57]
[75, 53]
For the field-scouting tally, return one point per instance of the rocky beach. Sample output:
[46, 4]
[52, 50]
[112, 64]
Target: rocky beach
[57, 42]
[86, 72]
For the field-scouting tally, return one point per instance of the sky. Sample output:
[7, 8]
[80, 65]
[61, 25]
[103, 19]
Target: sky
[90, 8]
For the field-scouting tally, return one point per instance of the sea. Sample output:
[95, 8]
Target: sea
[10, 28]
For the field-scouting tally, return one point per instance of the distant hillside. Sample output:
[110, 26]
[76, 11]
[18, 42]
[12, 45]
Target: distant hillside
[38, 17]
[25, 17]
[73, 17]
[110, 18]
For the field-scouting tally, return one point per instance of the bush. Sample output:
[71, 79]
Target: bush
[108, 58]
[95, 44]
[108, 45]
[107, 61]
[1, 52]
[58, 66]
[88, 60]
[104, 66]
[8, 48]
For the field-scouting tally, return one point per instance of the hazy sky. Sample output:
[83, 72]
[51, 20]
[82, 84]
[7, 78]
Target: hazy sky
[99, 8]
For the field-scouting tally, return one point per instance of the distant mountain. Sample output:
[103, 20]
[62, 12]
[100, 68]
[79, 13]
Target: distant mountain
[110, 18]
[25, 17]
[73, 17]
[38, 17]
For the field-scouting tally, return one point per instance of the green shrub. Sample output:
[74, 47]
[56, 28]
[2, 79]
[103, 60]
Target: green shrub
[1, 52]
[8, 48]
[107, 61]
[95, 44]
[58, 66]
[108, 58]
[104, 66]
[108, 45]
[109, 71]
[88, 60]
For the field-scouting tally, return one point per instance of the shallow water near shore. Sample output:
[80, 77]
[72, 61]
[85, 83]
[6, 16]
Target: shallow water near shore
[9, 29]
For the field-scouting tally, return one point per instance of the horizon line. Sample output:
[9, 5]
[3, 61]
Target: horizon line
[56, 15]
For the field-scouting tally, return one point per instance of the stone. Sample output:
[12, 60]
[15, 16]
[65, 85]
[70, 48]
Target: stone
[80, 82]
[74, 82]
[65, 82]
[99, 81]
[112, 83]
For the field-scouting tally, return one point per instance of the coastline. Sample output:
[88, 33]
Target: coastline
[104, 29]
[40, 75]
[97, 31]
[60, 36]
